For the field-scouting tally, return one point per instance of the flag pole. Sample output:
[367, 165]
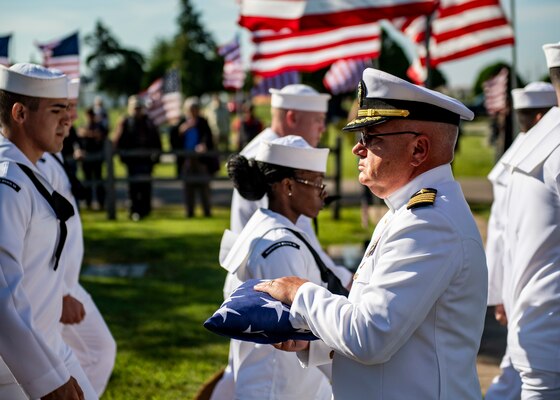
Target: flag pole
[514, 82]
[429, 19]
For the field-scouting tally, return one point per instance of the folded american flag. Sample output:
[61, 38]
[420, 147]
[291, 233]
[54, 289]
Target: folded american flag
[254, 316]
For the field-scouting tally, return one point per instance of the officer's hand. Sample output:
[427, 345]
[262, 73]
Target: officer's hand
[500, 314]
[292, 345]
[73, 311]
[283, 289]
[69, 391]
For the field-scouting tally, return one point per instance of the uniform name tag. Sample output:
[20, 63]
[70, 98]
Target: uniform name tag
[277, 245]
[11, 184]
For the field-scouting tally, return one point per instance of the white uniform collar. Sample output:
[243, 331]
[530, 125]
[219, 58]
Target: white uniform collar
[10, 152]
[235, 249]
[428, 179]
[538, 144]
[250, 150]
[503, 163]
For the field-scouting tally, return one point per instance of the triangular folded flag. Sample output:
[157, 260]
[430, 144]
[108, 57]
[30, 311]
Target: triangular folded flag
[254, 316]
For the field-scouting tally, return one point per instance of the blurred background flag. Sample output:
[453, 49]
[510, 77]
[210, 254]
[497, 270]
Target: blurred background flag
[496, 92]
[274, 82]
[163, 98]
[343, 76]
[4, 50]
[459, 28]
[63, 54]
[310, 50]
[234, 73]
[298, 15]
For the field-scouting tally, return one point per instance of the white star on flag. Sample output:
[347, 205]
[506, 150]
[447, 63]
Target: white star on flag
[223, 312]
[248, 330]
[277, 305]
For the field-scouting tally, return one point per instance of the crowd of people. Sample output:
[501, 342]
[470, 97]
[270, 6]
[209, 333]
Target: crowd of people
[406, 325]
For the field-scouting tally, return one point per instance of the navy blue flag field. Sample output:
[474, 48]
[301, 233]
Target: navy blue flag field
[254, 316]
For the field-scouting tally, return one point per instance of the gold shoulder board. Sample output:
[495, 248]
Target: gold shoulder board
[422, 198]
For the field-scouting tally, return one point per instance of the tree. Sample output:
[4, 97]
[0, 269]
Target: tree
[490, 71]
[116, 70]
[193, 52]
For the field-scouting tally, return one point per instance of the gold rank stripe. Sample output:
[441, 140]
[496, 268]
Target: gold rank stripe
[424, 197]
[373, 112]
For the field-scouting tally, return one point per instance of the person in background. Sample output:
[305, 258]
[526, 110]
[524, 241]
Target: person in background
[35, 119]
[92, 137]
[530, 104]
[195, 133]
[83, 326]
[248, 127]
[290, 172]
[219, 122]
[412, 323]
[137, 132]
[531, 262]
[101, 114]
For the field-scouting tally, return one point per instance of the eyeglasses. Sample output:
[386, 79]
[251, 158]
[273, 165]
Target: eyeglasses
[366, 139]
[321, 186]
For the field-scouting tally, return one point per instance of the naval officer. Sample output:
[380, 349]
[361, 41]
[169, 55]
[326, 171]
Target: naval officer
[411, 326]
[34, 119]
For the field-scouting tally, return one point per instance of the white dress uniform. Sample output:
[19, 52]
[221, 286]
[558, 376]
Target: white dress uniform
[532, 252]
[507, 385]
[91, 339]
[412, 324]
[30, 290]
[265, 249]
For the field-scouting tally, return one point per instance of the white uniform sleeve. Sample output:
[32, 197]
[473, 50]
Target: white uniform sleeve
[35, 366]
[410, 275]
[285, 260]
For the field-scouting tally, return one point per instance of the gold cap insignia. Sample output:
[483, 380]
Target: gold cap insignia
[361, 93]
[422, 198]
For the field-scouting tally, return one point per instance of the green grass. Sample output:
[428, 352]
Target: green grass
[164, 352]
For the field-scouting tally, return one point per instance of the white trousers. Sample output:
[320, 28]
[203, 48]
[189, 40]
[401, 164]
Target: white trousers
[92, 343]
[10, 389]
[507, 385]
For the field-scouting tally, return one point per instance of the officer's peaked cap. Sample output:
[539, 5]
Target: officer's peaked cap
[383, 97]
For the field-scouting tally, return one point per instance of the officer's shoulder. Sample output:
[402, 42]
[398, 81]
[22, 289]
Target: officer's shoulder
[423, 198]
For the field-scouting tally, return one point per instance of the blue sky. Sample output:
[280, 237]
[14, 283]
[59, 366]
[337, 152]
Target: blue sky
[138, 23]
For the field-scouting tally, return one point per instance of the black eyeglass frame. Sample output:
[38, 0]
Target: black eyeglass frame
[365, 137]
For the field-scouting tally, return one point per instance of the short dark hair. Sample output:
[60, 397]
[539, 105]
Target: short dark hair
[555, 76]
[528, 117]
[7, 101]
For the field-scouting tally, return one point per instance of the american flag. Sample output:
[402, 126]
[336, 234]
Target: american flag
[495, 92]
[254, 316]
[310, 50]
[4, 47]
[460, 28]
[343, 76]
[234, 74]
[275, 82]
[318, 14]
[163, 98]
[63, 54]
